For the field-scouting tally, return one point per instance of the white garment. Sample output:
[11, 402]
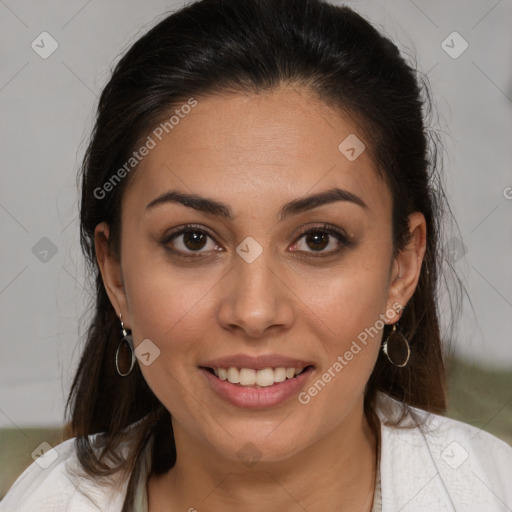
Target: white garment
[442, 466]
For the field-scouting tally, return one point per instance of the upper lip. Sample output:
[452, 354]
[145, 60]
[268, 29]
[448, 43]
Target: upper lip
[256, 362]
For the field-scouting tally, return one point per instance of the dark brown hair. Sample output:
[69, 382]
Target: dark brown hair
[229, 46]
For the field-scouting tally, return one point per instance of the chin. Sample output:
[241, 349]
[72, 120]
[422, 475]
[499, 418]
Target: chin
[253, 445]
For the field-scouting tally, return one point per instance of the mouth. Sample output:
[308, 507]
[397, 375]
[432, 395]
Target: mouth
[253, 378]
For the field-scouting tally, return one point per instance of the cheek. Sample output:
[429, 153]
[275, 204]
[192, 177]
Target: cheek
[347, 315]
[169, 308]
[162, 297]
[345, 302]
[173, 317]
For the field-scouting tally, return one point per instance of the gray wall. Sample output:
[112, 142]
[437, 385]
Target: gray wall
[46, 114]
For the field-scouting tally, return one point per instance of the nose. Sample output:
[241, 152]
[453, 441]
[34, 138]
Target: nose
[256, 298]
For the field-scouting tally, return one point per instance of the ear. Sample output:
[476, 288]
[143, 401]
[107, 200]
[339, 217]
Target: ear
[111, 272]
[407, 266]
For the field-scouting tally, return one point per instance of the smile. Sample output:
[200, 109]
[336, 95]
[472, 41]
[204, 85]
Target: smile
[258, 378]
[256, 389]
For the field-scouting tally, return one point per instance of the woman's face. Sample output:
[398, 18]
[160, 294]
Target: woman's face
[244, 282]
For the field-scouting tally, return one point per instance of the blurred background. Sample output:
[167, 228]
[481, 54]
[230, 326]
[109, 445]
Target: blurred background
[56, 57]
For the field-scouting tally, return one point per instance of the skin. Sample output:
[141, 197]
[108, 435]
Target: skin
[256, 153]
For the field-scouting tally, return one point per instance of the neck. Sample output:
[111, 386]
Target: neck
[335, 474]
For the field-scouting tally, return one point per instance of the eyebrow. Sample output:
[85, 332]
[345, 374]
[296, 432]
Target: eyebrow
[219, 209]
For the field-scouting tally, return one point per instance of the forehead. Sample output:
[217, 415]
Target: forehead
[247, 147]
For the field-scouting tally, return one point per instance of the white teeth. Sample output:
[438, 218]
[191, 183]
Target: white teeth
[250, 377]
[233, 375]
[279, 374]
[247, 377]
[265, 377]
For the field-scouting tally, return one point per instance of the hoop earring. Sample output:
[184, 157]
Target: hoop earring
[128, 340]
[396, 348]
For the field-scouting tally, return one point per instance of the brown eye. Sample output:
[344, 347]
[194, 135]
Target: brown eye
[189, 242]
[317, 239]
[194, 240]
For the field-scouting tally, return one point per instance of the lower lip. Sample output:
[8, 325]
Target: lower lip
[257, 398]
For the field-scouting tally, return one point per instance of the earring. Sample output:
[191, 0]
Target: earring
[396, 348]
[125, 340]
[400, 309]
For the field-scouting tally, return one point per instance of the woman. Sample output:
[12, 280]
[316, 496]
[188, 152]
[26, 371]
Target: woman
[261, 211]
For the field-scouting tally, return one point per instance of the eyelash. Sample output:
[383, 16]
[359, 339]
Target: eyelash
[324, 228]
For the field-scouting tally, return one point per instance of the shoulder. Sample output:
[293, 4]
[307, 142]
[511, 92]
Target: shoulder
[444, 463]
[54, 482]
